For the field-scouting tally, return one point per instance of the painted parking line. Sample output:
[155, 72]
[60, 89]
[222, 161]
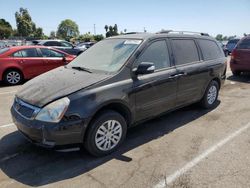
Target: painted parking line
[6, 125]
[170, 179]
[7, 92]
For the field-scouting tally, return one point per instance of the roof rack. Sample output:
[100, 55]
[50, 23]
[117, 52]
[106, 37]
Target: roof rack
[182, 32]
[130, 33]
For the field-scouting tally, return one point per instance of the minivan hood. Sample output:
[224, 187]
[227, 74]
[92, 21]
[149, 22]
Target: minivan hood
[56, 84]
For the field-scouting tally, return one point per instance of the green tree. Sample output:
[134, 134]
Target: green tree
[98, 37]
[52, 35]
[5, 29]
[87, 37]
[225, 38]
[111, 30]
[106, 27]
[115, 30]
[231, 37]
[67, 29]
[219, 37]
[38, 33]
[25, 26]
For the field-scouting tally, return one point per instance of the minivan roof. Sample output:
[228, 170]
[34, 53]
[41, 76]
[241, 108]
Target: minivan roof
[145, 36]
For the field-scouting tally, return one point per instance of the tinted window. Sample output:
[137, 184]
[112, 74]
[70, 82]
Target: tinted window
[50, 53]
[156, 53]
[66, 44]
[244, 44]
[185, 51]
[234, 41]
[26, 53]
[210, 50]
[52, 43]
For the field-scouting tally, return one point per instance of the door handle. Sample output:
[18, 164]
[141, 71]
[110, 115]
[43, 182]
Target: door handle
[177, 75]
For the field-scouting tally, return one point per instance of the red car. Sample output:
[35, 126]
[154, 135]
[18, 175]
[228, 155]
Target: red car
[240, 57]
[25, 62]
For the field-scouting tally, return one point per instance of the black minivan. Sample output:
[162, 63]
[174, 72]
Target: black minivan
[119, 82]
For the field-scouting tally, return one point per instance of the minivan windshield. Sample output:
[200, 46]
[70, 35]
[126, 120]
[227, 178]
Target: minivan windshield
[108, 55]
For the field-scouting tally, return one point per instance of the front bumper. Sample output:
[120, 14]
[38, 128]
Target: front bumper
[49, 135]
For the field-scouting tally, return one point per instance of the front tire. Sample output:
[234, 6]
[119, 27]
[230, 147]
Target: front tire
[13, 77]
[106, 133]
[211, 95]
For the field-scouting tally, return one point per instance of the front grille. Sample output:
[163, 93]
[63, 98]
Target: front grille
[27, 112]
[25, 109]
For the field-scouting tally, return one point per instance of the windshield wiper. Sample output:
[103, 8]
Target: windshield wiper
[82, 69]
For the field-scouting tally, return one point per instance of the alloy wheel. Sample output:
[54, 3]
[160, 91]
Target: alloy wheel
[13, 77]
[108, 135]
[212, 94]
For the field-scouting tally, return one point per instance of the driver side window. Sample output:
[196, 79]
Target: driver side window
[156, 53]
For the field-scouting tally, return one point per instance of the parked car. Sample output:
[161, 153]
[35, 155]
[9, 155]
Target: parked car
[230, 46]
[26, 62]
[60, 45]
[240, 57]
[223, 47]
[84, 45]
[116, 84]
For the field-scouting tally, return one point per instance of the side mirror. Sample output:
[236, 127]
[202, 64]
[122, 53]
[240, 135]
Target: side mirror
[144, 68]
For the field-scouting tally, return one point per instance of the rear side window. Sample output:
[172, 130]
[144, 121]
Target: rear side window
[210, 49]
[244, 44]
[156, 53]
[185, 51]
[52, 43]
[234, 41]
[50, 53]
[66, 44]
[31, 52]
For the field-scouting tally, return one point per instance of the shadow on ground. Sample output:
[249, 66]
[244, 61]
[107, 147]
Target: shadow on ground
[2, 84]
[35, 166]
[244, 78]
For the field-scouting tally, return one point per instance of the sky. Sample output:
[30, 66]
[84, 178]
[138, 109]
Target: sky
[227, 17]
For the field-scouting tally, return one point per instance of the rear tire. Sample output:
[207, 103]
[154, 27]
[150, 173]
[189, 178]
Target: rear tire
[105, 134]
[211, 95]
[13, 77]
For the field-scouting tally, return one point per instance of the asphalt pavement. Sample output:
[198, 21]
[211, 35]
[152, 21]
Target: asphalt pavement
[190, 147]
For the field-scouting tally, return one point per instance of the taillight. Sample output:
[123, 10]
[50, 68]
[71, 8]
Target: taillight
[233, 54]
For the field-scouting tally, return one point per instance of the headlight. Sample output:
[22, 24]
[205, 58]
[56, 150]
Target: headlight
[54, 111]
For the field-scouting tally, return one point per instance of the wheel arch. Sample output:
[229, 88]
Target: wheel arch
[116, 106]
[12, 68]
[217, 80]
[207, 84]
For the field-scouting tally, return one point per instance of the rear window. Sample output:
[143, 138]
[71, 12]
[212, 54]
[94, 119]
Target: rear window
[185, 51]
[210, 49]
[234, 41]
[244, 44]
[3, 50]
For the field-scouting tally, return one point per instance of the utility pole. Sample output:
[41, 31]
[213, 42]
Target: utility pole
[94, 30]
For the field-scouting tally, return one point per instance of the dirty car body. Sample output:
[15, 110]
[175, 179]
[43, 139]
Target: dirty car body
[88, 90]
